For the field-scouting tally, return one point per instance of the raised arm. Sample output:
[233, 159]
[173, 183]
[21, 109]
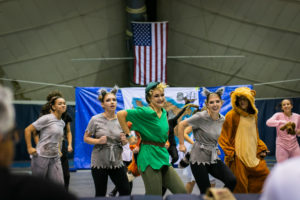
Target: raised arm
[180, 113]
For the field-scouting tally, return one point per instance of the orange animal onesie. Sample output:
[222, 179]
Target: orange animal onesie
[242, 146]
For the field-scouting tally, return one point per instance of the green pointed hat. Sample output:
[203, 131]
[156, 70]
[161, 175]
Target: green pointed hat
[150, 86]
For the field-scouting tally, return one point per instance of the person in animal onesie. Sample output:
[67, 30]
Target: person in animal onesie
[287, 125]
[244, 150]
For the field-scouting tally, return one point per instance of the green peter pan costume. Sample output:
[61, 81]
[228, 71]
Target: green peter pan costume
[153, 158]
[152, 129]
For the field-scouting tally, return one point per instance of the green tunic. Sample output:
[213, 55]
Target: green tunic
[146, 122]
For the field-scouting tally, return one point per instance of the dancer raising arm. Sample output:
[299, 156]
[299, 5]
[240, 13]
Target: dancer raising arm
[153, 159]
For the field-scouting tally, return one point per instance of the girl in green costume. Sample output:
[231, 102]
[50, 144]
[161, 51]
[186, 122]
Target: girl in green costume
[153, 159]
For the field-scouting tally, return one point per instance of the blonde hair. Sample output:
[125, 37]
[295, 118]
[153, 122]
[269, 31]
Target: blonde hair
[160, 86]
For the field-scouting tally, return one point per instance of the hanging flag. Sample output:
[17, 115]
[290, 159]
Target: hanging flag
[150, 52]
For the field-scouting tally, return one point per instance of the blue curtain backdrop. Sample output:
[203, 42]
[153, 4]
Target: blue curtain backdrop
[87, 105]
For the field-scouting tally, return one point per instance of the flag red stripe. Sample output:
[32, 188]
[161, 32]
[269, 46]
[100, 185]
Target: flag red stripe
[134, 70]
[156, 64]
[166, 52]
[161, 52]
[145, 64]
[150, 64]
[137, 65]
[140, 66]
[153, 55]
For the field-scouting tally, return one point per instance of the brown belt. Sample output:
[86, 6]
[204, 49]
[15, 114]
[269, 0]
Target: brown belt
[160, 144]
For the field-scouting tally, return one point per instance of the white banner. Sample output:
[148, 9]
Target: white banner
[176, 96]
[175, 100]
[133, 97]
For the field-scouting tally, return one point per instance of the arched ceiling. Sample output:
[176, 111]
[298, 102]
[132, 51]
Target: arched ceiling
[39, 39]
[266, 32]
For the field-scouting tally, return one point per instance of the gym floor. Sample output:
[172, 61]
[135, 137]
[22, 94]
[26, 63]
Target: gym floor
[82, 185]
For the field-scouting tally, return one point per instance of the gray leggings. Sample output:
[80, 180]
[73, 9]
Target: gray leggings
[49, 168]
[166, 176]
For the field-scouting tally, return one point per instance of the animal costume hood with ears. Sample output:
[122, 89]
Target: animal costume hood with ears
[240, 158]
[249, 94]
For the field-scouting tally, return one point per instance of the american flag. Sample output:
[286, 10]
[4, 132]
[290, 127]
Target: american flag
[150, 52]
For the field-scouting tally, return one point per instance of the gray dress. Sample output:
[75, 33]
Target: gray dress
[107, 155]
[206, 133]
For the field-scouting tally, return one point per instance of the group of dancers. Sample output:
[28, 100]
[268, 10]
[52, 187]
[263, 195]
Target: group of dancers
[244, 169]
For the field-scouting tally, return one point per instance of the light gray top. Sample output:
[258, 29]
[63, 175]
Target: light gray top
[107, 155]
[51, 133]
[206, 133]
